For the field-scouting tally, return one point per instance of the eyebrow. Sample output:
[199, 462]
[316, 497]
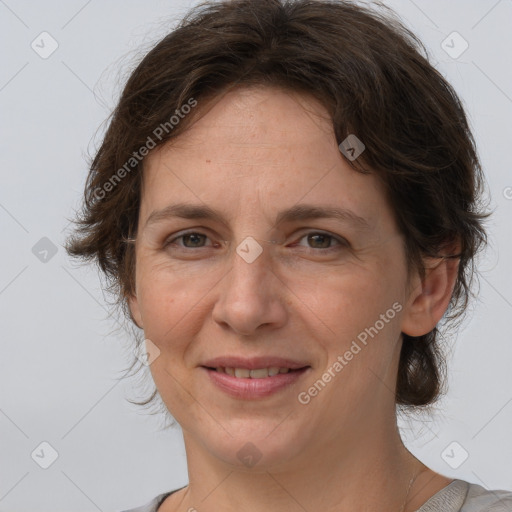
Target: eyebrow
[296, 213]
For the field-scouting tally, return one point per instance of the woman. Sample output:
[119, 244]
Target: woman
[285, 202]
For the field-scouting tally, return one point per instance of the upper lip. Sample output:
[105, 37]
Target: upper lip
[253, 363]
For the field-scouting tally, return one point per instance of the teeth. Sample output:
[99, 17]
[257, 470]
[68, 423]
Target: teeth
[259, 373]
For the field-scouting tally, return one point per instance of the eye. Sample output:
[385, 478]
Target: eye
[193, 238]
[317, 241]
[323, 241]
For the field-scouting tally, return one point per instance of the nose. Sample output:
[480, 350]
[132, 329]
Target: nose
[251, 297]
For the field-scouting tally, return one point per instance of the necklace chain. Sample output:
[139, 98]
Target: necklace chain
[409, 490]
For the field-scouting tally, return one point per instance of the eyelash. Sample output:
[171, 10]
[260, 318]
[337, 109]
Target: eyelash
[342, 243]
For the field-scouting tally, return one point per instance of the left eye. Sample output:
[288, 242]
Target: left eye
[321, 240]
[318, 239]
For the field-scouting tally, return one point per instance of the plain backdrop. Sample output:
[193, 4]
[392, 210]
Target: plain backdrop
[63, 356]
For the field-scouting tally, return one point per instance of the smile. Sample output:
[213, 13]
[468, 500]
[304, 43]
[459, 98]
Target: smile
[258, 383]
[258, 373]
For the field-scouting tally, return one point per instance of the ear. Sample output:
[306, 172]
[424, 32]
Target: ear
[430, 297]
[133, 304]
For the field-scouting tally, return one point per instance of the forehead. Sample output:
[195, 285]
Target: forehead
[256, 121]
[271, 144]
[263, 108]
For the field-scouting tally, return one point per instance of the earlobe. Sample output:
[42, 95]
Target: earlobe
[133, 305]
[430, 297]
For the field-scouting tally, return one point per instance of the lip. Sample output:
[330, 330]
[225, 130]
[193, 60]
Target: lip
[252, 389]
[253, 363]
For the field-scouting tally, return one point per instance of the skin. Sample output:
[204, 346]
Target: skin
[254, 152]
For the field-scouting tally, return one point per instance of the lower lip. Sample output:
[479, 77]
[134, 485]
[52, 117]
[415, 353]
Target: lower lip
[249, 388]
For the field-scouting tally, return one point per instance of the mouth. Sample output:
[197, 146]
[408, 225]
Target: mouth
[256, 373]
[254, 383]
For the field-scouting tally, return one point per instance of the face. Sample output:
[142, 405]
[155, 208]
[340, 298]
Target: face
[265, 282]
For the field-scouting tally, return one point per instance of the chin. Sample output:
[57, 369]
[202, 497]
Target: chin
[254, 449]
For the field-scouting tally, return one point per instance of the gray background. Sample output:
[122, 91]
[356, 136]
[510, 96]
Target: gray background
[63, 356]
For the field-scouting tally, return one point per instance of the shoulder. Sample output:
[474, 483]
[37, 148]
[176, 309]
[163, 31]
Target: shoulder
[462, 496]
[479, 499]
[153, 505]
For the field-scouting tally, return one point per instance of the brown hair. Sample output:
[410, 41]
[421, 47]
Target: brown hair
[373, 76]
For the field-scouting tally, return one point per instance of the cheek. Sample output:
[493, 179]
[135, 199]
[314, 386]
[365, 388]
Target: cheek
[167, 291]
[168, 301]
[345, 302]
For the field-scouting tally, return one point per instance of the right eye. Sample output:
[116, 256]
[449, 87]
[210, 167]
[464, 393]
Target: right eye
[193, 238]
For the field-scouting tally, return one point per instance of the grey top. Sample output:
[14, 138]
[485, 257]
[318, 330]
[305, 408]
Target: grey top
[458, 496]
